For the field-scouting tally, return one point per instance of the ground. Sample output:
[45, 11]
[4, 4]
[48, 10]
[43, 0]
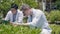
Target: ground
[9, 29]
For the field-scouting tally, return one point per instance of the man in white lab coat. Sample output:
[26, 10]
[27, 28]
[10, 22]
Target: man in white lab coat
[36, 18]
[14, 15]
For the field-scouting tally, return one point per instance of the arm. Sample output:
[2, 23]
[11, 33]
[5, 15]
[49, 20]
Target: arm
[33, 23]
[19, 24]
[45, 27]
[7, 17]
[20, 18]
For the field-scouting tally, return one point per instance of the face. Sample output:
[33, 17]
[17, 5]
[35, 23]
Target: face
[27, 12]
[13, 10]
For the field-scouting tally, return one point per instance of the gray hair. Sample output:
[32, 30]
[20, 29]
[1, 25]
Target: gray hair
[25, 7]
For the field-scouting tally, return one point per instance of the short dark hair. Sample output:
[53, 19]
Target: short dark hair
[14, 6]
[25, 7]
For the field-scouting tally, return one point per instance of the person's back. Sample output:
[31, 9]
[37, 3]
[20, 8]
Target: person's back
[39, 20]
[36, 18]
[40, 16]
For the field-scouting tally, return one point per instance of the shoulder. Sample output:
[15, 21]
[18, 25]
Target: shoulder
[38, 11]
[9, 12]
[19, 12]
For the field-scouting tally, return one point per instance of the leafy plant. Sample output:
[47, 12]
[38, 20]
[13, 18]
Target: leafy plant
[9, 29]
[6, 4]
[53, 16]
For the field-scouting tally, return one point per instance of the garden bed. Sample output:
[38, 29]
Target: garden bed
[9, 29]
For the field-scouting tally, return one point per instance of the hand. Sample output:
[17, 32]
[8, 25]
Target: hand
[14, 24]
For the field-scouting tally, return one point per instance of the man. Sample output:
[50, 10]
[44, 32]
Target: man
[14, 15]
[36, 18]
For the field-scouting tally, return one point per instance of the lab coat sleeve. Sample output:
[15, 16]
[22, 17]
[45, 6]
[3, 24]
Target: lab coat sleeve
[45, 28]
[7, 17]
[20, 18]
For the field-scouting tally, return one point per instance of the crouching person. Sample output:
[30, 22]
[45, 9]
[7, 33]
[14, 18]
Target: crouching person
[36, 18]
[14, 15]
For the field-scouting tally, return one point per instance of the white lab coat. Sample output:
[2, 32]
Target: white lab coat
[39, 20]
[19, 16]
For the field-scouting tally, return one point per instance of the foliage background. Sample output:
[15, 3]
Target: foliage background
[6, 4]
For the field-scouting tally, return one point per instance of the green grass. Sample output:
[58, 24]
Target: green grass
[55, 28]
[9, 29]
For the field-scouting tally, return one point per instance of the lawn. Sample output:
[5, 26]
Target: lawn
[55, 28]
[9, 29]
